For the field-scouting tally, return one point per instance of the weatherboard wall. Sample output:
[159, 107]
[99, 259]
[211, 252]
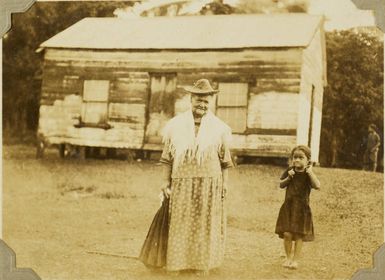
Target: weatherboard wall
[146, 89]
[311, 95]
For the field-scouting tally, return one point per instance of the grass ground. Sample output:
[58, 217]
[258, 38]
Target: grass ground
[73, 219]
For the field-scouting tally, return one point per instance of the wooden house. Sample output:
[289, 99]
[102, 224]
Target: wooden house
[114, 83]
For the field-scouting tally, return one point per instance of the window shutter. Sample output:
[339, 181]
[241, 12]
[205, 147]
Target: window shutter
[232, 105]
[232, 94]
[96, 90]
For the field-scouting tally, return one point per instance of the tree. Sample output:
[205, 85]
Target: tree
[272, 6]
[22, 65]
[217, 8]
[354, 96]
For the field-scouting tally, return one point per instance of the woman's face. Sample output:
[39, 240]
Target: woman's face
[200, 104]
[299, 160]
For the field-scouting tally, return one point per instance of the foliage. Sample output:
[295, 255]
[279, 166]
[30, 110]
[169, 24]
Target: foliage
[220, 7]
[272, 6]
[21, 63]
[217, 8]
[354, 96]
[352, 99]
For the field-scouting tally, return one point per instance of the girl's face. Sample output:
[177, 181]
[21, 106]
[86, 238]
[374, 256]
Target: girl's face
[299, 160]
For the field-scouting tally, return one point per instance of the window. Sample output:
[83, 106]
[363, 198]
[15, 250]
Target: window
[232, 105]
[272, 112]
[95, 102]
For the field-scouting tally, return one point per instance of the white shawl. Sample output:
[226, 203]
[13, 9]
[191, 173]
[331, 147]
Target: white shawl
[179, 135]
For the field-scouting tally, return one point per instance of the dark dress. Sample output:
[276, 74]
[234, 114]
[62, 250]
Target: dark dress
[295, 214]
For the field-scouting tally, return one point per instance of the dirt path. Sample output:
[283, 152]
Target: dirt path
[58, 213]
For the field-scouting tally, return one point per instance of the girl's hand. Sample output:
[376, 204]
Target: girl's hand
[315, 183]
[291, 173]
[309, 169]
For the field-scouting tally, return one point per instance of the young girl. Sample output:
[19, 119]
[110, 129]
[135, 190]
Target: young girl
[294, 223]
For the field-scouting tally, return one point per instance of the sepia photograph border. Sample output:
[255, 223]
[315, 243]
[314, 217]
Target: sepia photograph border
[7, 256]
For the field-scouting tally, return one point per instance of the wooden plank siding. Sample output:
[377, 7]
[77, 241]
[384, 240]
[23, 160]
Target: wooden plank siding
[161, 106]
[127, 100]
[138, 96]
[263, 145]
[273, 110]
[267, 61]
[312, 85]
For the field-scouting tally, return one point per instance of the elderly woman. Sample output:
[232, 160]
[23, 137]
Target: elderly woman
[196, 158]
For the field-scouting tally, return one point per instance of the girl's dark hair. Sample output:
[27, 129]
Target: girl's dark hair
[305, 149]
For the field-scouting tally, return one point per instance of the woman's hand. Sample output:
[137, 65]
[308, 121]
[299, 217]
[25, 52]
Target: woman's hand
[166, 190]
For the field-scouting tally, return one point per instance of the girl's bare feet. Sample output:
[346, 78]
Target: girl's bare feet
[293, 265]
[202, 272]
[173, 273]
[286, 263]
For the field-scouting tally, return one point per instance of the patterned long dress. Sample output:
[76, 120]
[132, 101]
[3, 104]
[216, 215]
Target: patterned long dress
[197, 227]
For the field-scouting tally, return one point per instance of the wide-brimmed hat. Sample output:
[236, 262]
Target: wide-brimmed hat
[202, 87]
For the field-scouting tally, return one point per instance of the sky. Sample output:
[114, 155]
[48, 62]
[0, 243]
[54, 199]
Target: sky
[341, 14]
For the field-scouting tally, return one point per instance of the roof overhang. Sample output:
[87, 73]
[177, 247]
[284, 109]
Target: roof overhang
[188, 32]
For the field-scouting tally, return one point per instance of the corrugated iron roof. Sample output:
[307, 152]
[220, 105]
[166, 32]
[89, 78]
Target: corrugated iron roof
[189, 32]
